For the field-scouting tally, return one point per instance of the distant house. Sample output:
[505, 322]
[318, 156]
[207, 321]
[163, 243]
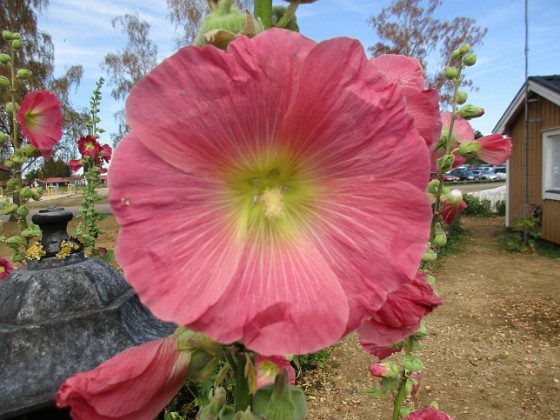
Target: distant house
[534, 167]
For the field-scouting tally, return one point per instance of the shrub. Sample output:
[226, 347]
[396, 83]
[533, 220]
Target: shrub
[478, 207]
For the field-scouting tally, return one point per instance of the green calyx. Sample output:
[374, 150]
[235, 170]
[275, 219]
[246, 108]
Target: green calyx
[280, 401]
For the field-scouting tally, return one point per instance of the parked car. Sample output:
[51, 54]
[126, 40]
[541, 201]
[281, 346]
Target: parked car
[488, 176]
[448, 177]
[500, 171]
[463, 174]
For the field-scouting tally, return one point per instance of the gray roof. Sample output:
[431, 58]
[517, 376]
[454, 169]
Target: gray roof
[549, 82]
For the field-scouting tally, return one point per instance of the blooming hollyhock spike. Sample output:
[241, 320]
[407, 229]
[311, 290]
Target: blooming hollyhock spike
[462, 132]
[135, 384]
[268, 367]
[5, 268]
[289, 194]
[398, 318]
[428, 413]
[40, 118]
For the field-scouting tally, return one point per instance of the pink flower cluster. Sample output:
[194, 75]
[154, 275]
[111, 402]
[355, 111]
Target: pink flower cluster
[89, 147]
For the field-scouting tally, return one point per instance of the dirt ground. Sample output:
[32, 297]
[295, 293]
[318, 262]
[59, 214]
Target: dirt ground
[493, 350]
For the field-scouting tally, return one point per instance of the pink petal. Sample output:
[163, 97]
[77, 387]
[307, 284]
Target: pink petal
[186, 245]
[137, 383]
[496, 149]
[461, 128]
[402, 70]
[226, 106]
[399, 317]
[424, 107]
[332, 99]
[40, 117]
[449, 212]
[428, 413]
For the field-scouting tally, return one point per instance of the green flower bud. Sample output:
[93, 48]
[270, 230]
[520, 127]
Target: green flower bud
[421, 333]
[4, 82]
[469, 60]
[431, 280]
[3, 137]
[19, 157]
[16, 35]
[465, 48]
[29, 151]
[469, 148]
[24, 74]
[461, 97]
[4, 58]
[17, 44]
[8, 209]
[405, 410]
[429, 255]
[36, 193]
[14, 242]
[454, 197]
[280, 401]
[6, 35]
[413, 363]
[22, 212]
[433, 186]
[9, 164]
[11, 107]
[440, 239]
[456, 54]
[12, 183]
[445, 163]
[451, 73]
[25, 192]
[470, 111]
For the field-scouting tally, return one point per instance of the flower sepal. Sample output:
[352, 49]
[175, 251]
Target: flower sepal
[205, 353]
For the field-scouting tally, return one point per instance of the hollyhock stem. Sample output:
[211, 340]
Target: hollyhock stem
[241, 395]
[290, 12]
[263, 10]
[402, 385]
[448, 143]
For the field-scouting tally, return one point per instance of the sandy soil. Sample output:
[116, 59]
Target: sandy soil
[493, 350]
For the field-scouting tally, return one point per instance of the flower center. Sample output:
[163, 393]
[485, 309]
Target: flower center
[272, 201]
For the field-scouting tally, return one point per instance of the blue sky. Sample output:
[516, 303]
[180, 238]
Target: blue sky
[82, 33]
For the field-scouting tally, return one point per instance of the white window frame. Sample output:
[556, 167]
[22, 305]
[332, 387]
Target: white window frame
[548, 138]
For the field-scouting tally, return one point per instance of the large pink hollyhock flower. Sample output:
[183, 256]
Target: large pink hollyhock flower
[135, 384]
[272, 194]
[268, 367]
[428, 413]
[5, 268]
[422, 103]
[399, 317]
[40, 117]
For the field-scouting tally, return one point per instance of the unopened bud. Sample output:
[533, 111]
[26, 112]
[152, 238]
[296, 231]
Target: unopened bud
[24, 74]
[17, 44]
[12, 183]
[421, 333]
[16, 35]
[413, 363]
[385, 370]
[465, 48]
[29, 151]
[470, 111]
[11, 107]
[433, 186]
[6, 35]
[462, 97]
[36, 193]
[429, 255]
[3, 137]
[440, 239]
[456, 54]
[445, 163]
[4, 82]
[25, 192]
[22, 212]
[451, 73]
[469, 148]
[470, 59]
[9, 164]
[4, 58]
[455, 197]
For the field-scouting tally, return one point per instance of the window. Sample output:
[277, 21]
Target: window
[551, 165]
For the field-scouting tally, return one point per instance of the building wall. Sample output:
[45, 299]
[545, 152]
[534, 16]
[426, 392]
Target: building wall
[543, 115]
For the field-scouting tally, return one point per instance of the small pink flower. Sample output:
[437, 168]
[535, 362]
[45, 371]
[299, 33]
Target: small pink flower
[40, 117]
[452, 206]
[268, 367]
[89, 146]
[494, 149]
[5, 268]
[279, 172]
[75, 165]
[384, 370]
[378, 370]
[398, 318]
[137, 383]
[428, 413]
